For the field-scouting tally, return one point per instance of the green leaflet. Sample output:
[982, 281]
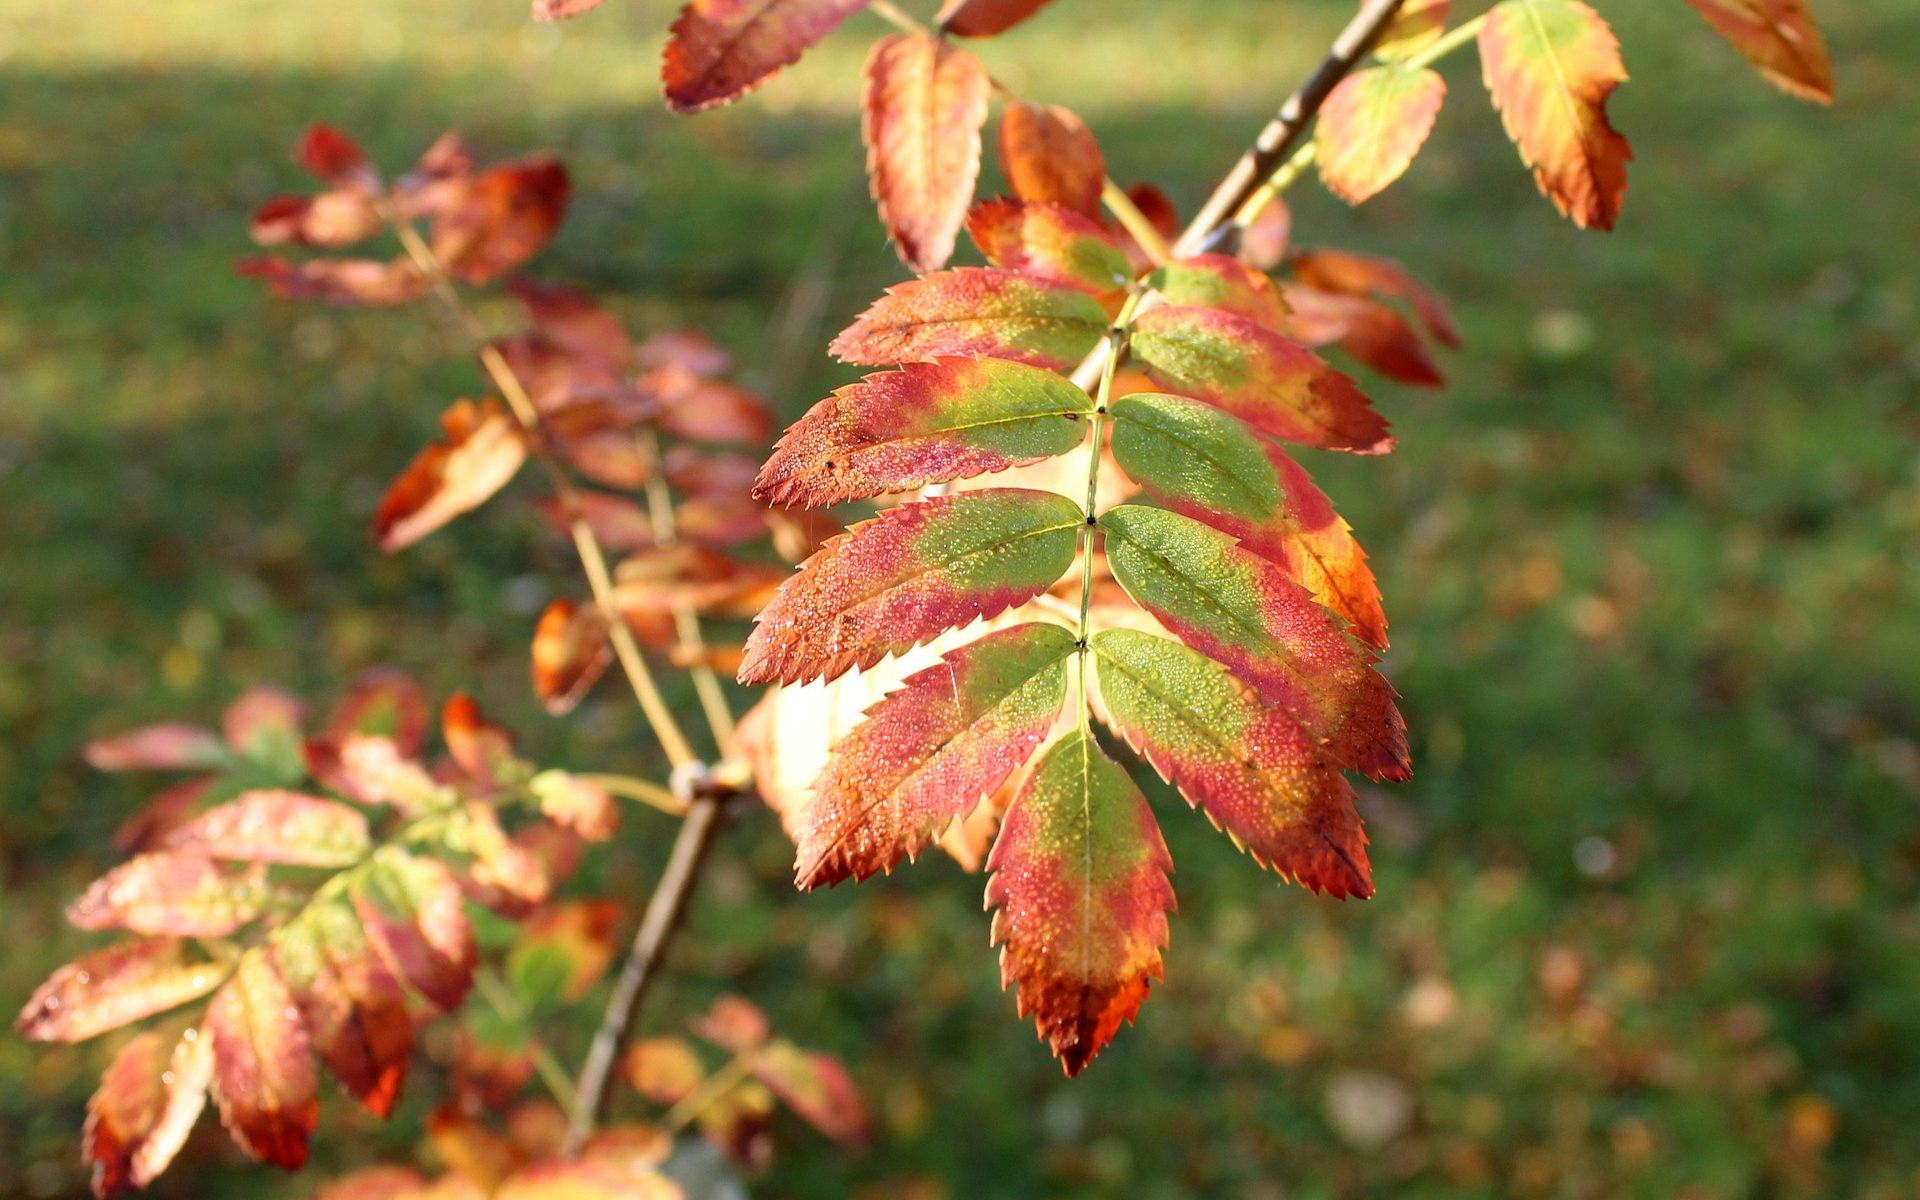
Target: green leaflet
[1184, 449]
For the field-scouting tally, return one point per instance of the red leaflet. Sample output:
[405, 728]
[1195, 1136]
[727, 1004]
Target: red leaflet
[1367, 329]
[976, 311]
[1050, 156]
[481, 748]
[931, 422]
[706, 410]
[482, 452]
[580, 807]
[984, 18]
[147, 1103]
[1248, 767]
[1781, 40]
[909, 574]
[815, 1086]
[570, 653]
[371, 770]
[348, 281]
[262, 721]
[336, 158]
[1049, 242]
[263, 1079]
[929, 753]
[1080, 880]
[1364, 275]
[169, 746]
[720, 50]
[384, 702]
[733, 1023]
[166, 893]
[115, 986]
[502, 218]
[1271, 383]
[356, 1016]
[276, 827]
[412, 911]
[575, 323]
[924, 105]
[1551, 66]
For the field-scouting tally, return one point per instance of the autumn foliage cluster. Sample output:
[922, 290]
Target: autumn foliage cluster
[1093, 542]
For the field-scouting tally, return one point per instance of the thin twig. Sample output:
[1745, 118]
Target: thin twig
[1276, 141]
[711, 1091]
[666, 730]
[1135, 222]
[669, 900]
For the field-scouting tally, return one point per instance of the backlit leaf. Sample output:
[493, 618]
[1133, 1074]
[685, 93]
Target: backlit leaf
[147, 1103]
[1551, 64]
[263, 1078]
[562, 952]
[276, 827]
[355, 1013]
[1266, 380]
[338, 218]
[570, 653]
[930, 422]
[1417, 26]
[1247, 766]
[384, 702]
[1781, 40]
[352, 282]
[483, 450]
[1365, 275]
[1198, 461]
[168, 746]
[1243, 612]
[815, 1086]
[1373, 125]
[336, 158]
[984, 18]
[1376, 335]
[1049, 156]
[500, 218]
[1080, 882]
[733, 1023]
[1217, 281]
[929, 753]
[186, 895]
[976, 310]
[720, 50]
[413, 914]
[909, 574]
[115, 986]
[264, 724]
[1050, 242]
[665, 1070]
[924, 105]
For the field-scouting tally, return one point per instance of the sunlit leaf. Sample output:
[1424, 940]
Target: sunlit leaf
[351, 282]
[483, 450]
[720, 50]
[1416, 26]
[815, 1086]
[1049, 242]
[1781, 40]
[930, 422]
[1365, 275]
[169, 746]
[146, 1105]
[734, 1024]
[276, 827]
[412, 911]
[355, 1013]
[263, 1077]
[115, 986]
[1080, 884]
[500, 218]
[976, 310]
[924, 105]
[186, 895]
[1219, 282]
[985, 18]
[909, 574]
[1375, 334]
[665, 1070]
[562, 952]
[1050, 156]
[570, 653]
[1373, 125]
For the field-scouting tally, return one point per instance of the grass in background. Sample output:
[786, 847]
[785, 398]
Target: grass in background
[1647, 920]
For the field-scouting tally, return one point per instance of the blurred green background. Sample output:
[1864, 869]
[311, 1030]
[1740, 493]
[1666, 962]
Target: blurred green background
[1648, 922]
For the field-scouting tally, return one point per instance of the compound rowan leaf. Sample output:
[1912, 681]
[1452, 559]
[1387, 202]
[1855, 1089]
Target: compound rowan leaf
[413, 914]
[1217, 281]
[719, 50]
[909, 574]
[924, 105]
[930, 422]
[1080, 881]
[147, 1103]
[1198, 461]
[1374, 333]
[1243, 612]
[929, 753]
[1274, 384]
[1373, 125]
[355, 1013]
[985, 18]
[114, 986]
[263, 1078]
[1049, 156]
[168, 746]
[1351, 274]
[570, 653]
[1247, 766]
[185, 895]
[1550, 65]
[1049, 242]
[976, 311]
[815, 1086]
[483, 450]
[272, 826]
[1781, 40]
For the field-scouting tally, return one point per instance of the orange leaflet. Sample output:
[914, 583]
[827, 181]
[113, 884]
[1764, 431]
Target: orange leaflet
[570, 653]
[115, 986]
[1779, 38]
[1047, 241]
[1550, 65]
[1372, 126]
[481, 453]
[985, 18]
[147, 1103]
[263, 1077]
[924, 106]
[719, 50]
[1050, 156]
[1364, 275]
